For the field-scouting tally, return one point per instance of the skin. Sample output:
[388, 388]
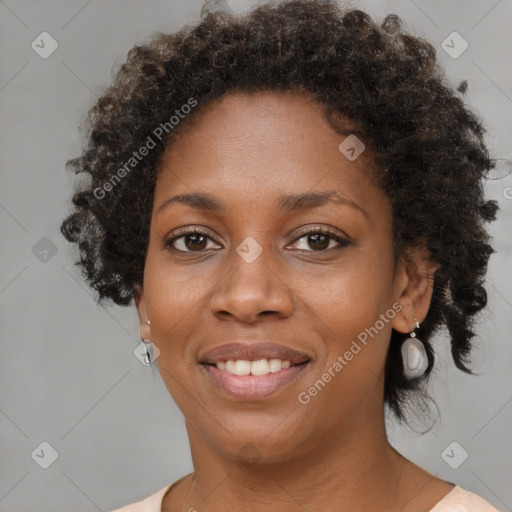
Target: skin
[331, 454]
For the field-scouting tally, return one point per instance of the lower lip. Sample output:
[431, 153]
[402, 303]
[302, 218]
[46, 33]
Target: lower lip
[253, 387]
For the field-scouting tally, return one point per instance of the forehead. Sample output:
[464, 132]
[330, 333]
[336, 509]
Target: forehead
[257, 146]
[263, 118]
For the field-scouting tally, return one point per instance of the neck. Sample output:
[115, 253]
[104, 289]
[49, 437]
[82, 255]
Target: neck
[356, 470]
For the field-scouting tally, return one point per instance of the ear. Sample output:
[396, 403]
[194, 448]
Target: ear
[414, 282]
[144, 328]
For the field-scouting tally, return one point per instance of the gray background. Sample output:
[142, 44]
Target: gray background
[68, 373]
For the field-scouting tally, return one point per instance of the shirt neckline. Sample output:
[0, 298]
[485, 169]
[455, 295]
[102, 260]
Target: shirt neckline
[446, 497]
[166, 490]
[455, 489]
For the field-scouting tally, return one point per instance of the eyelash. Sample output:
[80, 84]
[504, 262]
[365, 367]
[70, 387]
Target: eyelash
[323, 231]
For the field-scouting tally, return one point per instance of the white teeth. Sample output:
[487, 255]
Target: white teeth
[275, 365]
[230, 366]
[242, 367]
[259, 367]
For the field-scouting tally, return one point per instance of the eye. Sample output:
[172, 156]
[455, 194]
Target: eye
[320, 239]
[192, 240]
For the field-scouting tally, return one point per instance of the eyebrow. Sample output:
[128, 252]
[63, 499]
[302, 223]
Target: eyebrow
[285, 204]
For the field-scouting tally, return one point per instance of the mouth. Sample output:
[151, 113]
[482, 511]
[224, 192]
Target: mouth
[253, 371]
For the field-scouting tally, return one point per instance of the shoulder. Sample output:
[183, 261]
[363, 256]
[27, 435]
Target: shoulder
[152, 503]
[461, 500]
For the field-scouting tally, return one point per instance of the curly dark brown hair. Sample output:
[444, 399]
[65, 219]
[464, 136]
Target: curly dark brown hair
[428, 146]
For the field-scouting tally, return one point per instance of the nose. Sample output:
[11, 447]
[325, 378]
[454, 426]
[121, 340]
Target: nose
[250, 291]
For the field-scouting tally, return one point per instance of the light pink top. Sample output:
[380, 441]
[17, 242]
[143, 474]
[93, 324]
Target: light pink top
[457, 500]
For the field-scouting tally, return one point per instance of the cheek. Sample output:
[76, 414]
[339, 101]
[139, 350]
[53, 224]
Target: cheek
[174, 296]
[349, 297]
[353, 310]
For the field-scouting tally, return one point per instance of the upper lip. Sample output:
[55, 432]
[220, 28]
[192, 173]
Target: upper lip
[252, 351]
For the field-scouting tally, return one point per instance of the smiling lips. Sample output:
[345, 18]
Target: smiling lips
[252, 351]
[253, 371]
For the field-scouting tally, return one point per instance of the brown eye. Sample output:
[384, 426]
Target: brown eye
[319, 240]
[194, 240]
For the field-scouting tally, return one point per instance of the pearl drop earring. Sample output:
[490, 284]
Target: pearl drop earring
[414, 355]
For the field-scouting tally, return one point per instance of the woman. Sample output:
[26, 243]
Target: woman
[293, 199]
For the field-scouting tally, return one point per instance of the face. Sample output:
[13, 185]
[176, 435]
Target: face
[312, 275]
